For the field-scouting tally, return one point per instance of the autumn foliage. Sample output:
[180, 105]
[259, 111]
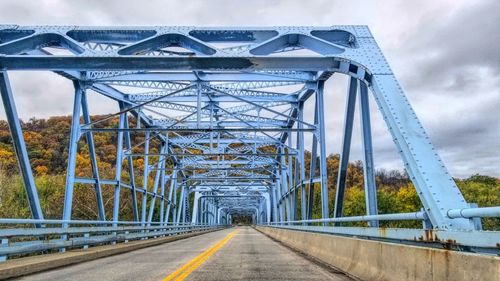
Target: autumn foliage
[47, 143]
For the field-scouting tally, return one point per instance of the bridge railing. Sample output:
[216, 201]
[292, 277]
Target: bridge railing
[475, 240]
[385, 217]
[20, 237]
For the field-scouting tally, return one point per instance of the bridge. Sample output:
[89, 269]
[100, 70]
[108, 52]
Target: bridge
[224, 137]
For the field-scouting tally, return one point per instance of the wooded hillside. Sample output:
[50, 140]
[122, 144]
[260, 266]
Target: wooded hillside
[47, 142]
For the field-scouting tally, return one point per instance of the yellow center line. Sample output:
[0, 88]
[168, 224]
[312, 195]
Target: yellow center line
[183, 272]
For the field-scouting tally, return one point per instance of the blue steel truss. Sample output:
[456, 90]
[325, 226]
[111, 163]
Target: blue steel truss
[225, 109]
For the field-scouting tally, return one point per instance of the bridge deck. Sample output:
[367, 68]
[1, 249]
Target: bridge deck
[248, 255]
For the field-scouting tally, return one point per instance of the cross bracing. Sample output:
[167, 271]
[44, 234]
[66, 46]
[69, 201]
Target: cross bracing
[221, 116]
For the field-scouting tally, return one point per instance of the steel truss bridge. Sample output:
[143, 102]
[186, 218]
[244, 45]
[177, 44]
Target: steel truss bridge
[221, 113]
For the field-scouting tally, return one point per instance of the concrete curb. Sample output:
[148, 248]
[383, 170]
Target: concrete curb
[310, 258]
[375, 260]
[29, 265]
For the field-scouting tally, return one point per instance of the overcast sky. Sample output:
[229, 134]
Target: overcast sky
[445, 53]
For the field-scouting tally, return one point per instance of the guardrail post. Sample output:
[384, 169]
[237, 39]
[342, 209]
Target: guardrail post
[86, 235]
[4, 243]
[476, 221]
[426, 223]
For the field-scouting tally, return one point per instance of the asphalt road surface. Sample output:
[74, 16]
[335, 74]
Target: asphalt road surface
[239, 253]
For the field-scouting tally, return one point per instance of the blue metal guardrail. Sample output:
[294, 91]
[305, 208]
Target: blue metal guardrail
[469, 240]
[20, 239]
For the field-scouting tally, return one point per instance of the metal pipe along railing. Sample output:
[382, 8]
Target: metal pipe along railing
[487, 212]
[384, 217]
[49, 221]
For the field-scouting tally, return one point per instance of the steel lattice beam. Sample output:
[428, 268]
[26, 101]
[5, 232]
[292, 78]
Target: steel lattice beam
[223, 118]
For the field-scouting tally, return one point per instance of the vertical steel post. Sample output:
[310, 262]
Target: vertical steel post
[20, 146]
[93, 160]
[274, 204]
[156, 183]
[322, 150]
[212, 212]
[194, 217]
[162, 192]
[133, 191]
[199, 219]
[281, 212]
[284, 185]
[368, 168]
[268, 203]
[291, 188]
[296, 187]
[72, 151]
[312, 169]
[181, 205]
[145, 177]
[174, 211]
[184, 205]
[198, 105]
[203, 210]
[302, 170]
[346, 147]
[118, 170]
[173, 180]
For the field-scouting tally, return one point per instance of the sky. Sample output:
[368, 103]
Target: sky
[445, 53]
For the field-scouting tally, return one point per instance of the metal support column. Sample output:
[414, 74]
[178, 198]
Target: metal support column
[346, 147]
[72, 151]
[93, 160]
[291, 189]
[181, 204]
[322, 150]
[301, 162]
[118, 169]
[368, 168]
[162, 193]
[156, 183]
[19, 146]
[196, 203]
[274, 202]
[173, 182]
[312, 169]
[145, 177]
[130, 162]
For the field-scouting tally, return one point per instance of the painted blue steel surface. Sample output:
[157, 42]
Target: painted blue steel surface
[221, 113]
[475, 241]
[20, 146]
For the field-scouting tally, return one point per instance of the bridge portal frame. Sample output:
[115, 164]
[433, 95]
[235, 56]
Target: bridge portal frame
[234, 65]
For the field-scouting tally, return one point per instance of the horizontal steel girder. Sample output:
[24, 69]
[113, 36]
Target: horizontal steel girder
[335, 48]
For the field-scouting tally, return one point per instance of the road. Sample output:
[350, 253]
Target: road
[239, 253]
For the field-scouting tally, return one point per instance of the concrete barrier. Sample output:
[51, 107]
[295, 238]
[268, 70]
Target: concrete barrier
[374, 260]
[24, 266]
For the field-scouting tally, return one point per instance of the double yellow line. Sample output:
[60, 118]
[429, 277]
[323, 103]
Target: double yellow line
[183, 272]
